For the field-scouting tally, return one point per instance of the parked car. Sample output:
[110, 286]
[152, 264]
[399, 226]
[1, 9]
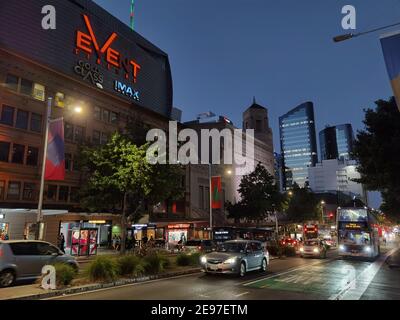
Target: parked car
[193, 246]
[23, 259]
[313, 248]
[236, 257]
[289, 242]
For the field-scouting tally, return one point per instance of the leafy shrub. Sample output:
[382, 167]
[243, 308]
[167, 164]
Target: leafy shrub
[102, 269]
[183, 260]
[154, 263]
[195, 259]
[129, 265]
[64, 274]
[289, 251]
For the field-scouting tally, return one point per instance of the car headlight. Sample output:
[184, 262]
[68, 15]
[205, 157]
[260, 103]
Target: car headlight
[203, 259]
[301, 249]
[368, 249]
[230, 261]
[316, 250]
[341, 247]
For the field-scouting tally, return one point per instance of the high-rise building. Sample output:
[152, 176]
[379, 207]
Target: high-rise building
[337, 176]
[336, 142]
[298, 144]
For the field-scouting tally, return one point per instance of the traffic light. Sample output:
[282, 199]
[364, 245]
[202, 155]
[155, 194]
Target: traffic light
[331, 215]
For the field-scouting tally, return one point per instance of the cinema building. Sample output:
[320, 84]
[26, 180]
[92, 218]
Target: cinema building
[91, 60]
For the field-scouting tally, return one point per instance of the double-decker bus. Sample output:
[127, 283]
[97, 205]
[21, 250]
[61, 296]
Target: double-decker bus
[357, 232]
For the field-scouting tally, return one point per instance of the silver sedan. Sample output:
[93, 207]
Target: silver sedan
[236, 257]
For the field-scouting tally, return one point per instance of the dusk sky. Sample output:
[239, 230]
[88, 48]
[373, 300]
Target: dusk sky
[224, 52]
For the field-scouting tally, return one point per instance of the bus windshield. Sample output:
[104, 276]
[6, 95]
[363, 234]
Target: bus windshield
[357, 237]
[353, 215]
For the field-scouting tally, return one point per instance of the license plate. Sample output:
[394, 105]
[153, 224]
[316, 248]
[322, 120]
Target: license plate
[213, 267]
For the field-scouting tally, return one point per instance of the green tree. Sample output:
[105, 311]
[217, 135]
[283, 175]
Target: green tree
[303, 205]
[120, 180]
[377, 149]
[259, 196]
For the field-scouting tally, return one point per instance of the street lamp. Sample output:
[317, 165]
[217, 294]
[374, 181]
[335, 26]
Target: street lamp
[347, 36]
[322, 210]
[39, 216]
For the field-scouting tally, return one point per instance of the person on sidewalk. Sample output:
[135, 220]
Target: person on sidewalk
[62, 243]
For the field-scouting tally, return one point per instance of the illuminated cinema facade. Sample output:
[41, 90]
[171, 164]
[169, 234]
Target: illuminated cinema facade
[91, 59]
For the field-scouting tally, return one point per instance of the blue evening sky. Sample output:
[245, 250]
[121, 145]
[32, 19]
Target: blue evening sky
[224, 52]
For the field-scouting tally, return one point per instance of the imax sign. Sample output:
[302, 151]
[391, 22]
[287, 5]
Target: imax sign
[126, 90]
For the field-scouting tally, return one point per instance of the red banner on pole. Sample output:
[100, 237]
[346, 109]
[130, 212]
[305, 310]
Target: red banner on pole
[55, 159]
[216, 192]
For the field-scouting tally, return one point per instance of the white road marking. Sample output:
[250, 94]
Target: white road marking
[241, 294]
[288, 271]
[356, 288]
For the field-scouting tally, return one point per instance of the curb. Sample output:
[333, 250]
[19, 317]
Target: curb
[93, 287]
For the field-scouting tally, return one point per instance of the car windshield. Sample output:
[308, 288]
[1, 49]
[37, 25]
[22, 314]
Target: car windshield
[193, 243]
[232, 247]
[311, 243]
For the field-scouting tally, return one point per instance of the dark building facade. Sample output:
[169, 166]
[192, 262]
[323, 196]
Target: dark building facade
[92, 60]
[336, 142]
[298, 144]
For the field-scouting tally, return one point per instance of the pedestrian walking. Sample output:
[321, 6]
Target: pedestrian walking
[62, 243]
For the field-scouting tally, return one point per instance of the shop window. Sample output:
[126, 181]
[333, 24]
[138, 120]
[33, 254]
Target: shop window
[26, 87]
[97, 113]
[14, 190]
[22, 119]
[63, 194]
[79, 134]
[2, 189]
[29, 191]
[12, 82]
[4, 151]
[104, 138]
[39, 92]
[68, 162]
[114, 118]
[68, 131]
[32, 156]
[18, 153]
[75, 195]
[59, 100]
[96, 137]
[105, 115]
[36, 122]
[7, 115]
[51, 192]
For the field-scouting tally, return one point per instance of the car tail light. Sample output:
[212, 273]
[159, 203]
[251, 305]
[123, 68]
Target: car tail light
[199, 247]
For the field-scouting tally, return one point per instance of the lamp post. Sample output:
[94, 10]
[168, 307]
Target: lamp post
[322, 211]
[39, 215]
[347, 36]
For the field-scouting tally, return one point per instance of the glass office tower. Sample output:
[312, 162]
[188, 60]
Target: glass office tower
[298, 144]
[336, 142]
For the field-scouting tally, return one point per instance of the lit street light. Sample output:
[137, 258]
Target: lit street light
[39, 217]
[322, 211]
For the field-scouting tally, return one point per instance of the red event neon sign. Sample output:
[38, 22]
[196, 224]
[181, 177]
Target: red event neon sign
[86, 42]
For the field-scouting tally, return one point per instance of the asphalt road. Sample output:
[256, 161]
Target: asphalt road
[290, 278]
